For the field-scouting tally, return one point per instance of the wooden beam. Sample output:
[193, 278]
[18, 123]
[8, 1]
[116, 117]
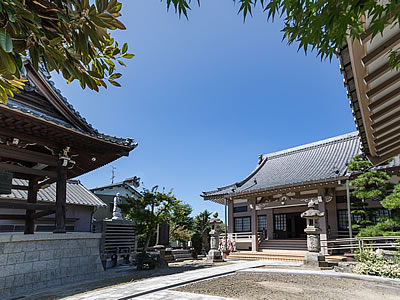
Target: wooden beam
[385, 85]
[385, 110]
[27, 155]
[26, 170]
[384, 130]
[384, 150]
[381, 50]
[386, 120]
[377, 73]
[376, 160]
[19, 187]
[32, 198]
[61, 197]
[23, 205]
[44, 213]
[391, 141]
[383, 138]
[28, 138]
[384, 99]
[45, 183]
[12, 217]
[356, 52]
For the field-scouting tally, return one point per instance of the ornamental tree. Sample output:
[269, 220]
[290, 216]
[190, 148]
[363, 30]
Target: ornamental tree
[150, 210]
[372, 184]
[368, 184]
[321, 25]
[180, 221]
[71, 37]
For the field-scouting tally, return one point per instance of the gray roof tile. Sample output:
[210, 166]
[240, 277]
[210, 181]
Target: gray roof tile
[322, 160]
[77, 194]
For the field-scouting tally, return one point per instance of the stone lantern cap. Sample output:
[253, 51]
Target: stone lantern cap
[312, 213]
[215, 220]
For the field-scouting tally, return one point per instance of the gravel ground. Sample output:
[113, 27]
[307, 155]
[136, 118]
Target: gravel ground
[287, 286]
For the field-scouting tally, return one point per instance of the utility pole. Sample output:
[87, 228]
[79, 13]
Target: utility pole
[113, 174]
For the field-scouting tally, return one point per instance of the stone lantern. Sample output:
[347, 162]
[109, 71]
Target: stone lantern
[214, 254]
[312, 216]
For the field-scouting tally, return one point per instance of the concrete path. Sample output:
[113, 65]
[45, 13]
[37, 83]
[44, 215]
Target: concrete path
[157, 288]
[174, 295]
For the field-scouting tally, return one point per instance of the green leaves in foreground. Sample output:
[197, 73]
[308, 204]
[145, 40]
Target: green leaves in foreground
[70, 37]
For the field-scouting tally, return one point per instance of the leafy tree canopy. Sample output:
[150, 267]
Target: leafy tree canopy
[320, 25]
[152, 209]
[71, 37]
[392, 201]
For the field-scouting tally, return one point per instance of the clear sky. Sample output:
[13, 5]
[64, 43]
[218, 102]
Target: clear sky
[204, 97]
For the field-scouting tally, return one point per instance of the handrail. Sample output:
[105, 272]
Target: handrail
[378, 242]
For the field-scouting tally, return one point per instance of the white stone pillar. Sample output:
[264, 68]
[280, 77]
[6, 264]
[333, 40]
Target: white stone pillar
[323, 224]
[253, 202]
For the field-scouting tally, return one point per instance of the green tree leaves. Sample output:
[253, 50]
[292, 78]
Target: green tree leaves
[5, 40]
[154, 208]
[68, 36]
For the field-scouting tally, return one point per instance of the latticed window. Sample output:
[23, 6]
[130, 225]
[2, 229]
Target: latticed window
[261, 223]
[342, 220]
[382, 212]
[239, 209]
[280, 222]
[243, 224]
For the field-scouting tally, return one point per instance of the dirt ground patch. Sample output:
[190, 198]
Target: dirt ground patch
[250, 286]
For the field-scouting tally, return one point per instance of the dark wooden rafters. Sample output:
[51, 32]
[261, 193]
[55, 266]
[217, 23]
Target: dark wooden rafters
[43, 140]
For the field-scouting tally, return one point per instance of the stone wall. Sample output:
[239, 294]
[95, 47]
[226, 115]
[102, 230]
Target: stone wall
[45, 260]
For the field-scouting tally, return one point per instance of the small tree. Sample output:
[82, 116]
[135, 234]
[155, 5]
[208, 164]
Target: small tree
[201, 228]
[150, 210]
[180, 222]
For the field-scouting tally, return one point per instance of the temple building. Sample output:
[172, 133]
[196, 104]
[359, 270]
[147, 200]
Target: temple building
[264, 208]
[126, 188]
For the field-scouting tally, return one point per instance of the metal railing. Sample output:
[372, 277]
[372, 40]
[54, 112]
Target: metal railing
[237, 237]
[378, 242]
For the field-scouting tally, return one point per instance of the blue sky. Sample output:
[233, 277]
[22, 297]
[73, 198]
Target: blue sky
[204, 97]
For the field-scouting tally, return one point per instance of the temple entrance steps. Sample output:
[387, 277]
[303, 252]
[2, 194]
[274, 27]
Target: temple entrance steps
[289, 244]
[281, 255]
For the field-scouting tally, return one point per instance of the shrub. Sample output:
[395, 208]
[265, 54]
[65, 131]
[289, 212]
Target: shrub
[376, 264]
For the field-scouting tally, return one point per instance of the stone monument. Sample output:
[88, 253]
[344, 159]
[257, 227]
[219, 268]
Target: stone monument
[312, 215]
[116, 209]
[214, 254]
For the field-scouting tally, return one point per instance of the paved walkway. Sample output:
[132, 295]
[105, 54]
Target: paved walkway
[157, 288]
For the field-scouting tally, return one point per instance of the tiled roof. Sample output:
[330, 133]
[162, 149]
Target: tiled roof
[77, 194]
[129, 183]
[30, 87]
[323, 160]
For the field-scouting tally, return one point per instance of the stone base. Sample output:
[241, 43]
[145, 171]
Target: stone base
[214, 256]
[313, 259]
[43, 260]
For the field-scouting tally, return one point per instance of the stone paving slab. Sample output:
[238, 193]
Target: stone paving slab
[173, 295]
[151, 286]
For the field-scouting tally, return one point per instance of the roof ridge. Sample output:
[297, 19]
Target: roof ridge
[313, 145]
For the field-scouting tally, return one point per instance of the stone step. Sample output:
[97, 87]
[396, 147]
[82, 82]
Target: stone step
[266, 257]
[281, 255]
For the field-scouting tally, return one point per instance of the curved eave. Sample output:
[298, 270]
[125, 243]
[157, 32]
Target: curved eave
[374, 91]
[275, 189]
